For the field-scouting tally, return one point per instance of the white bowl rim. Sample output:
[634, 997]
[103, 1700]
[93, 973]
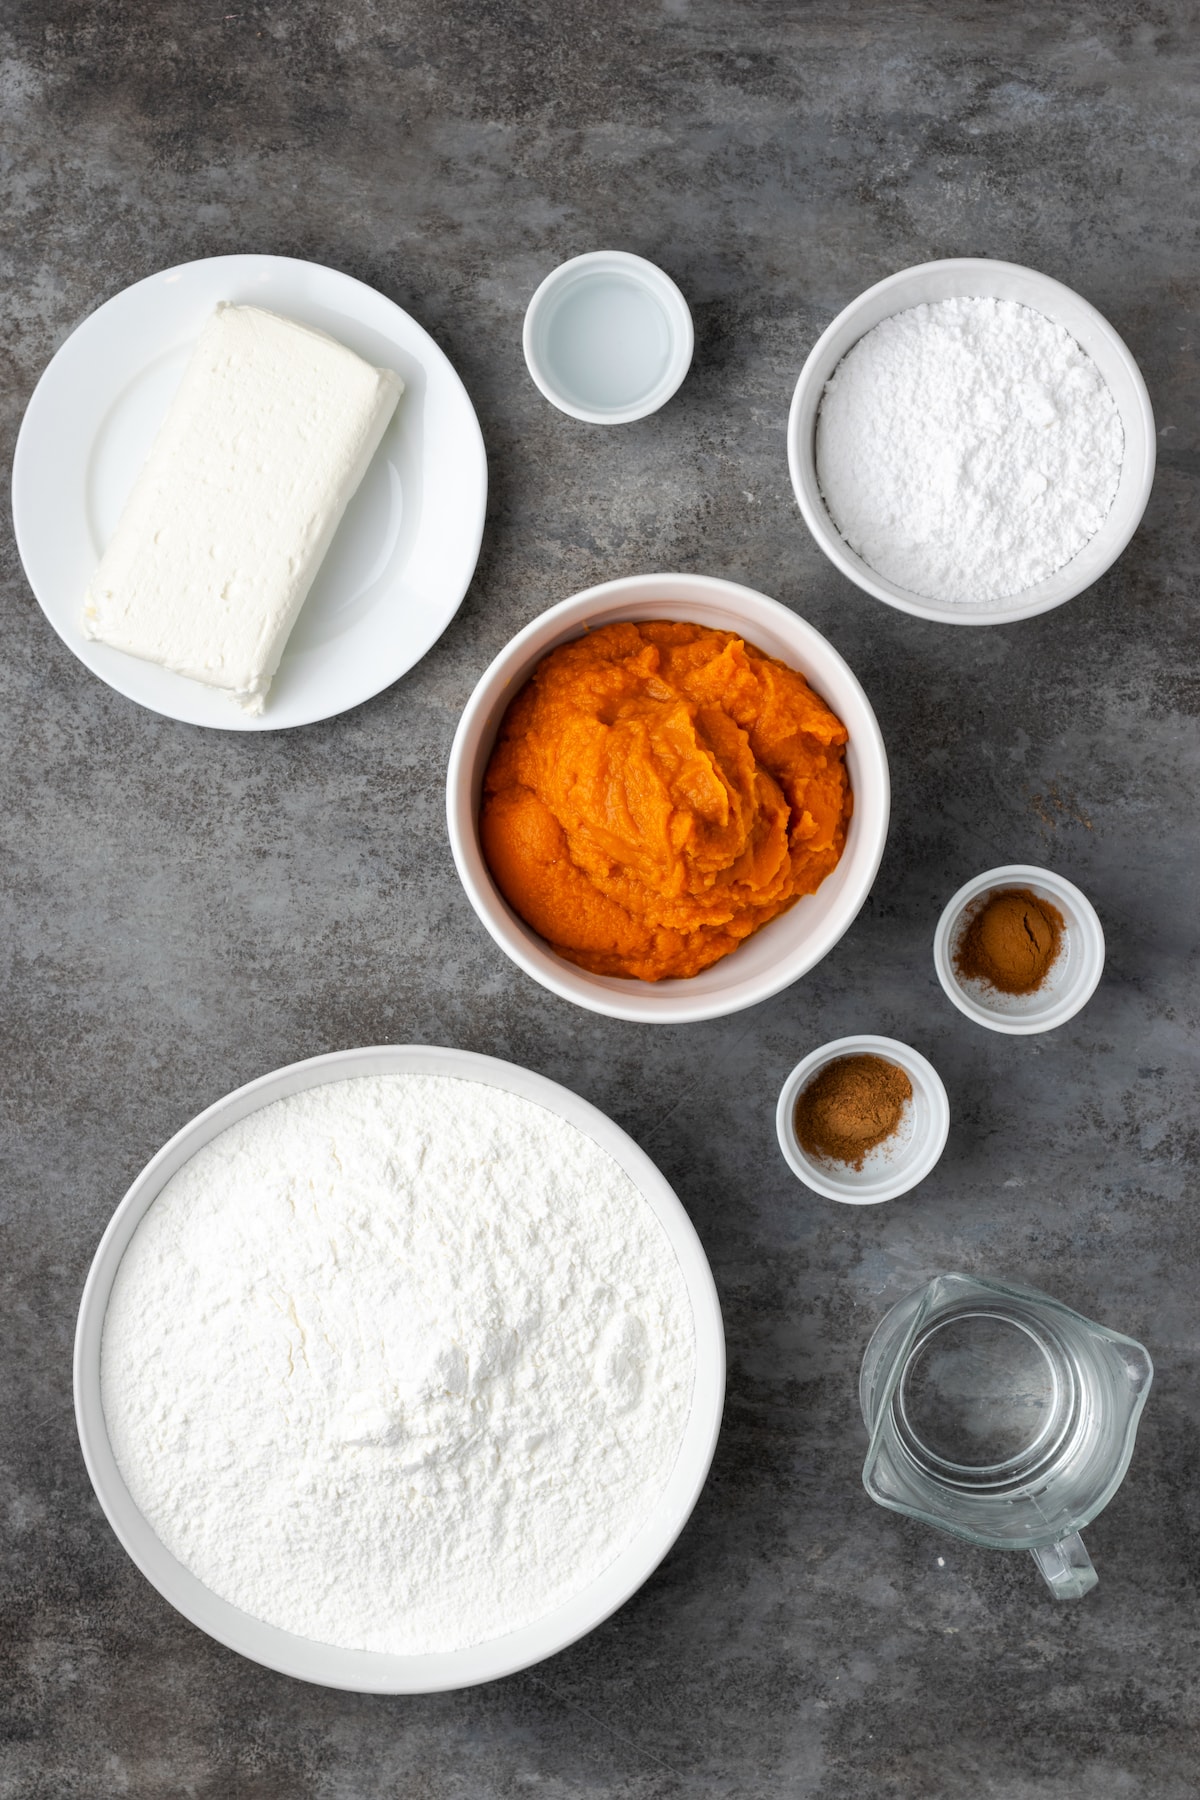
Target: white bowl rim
[1057, 887]
[826, 534]
[913, 1063]
[679, 321]
[365, 1671]
[674, 1002]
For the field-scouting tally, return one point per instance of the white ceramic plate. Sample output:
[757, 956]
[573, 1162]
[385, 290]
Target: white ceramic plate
[404, 553]
[368, 1671]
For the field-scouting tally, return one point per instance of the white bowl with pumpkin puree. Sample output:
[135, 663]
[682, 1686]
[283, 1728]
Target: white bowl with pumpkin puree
[780, 950]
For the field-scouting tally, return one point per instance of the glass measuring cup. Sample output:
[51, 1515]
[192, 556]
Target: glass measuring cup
[1000, 1415]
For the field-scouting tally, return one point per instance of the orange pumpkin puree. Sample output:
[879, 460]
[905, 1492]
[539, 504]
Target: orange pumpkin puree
[657, 793]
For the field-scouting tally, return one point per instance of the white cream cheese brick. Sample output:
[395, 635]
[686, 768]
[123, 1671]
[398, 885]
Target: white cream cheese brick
[267, 439]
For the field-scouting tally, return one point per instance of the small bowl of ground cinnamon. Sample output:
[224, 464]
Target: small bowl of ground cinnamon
[1019, 949]
[862, 1119]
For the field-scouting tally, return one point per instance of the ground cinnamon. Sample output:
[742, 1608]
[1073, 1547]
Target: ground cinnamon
[1011, 942]
[851, 1107]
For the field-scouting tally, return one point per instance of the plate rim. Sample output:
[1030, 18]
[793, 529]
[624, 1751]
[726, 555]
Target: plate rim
[23, 477]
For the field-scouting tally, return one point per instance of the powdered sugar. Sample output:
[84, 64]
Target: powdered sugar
[968, 448]
[399, 1363]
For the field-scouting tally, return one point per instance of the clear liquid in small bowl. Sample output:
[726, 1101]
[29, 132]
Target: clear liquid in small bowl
[607, 341]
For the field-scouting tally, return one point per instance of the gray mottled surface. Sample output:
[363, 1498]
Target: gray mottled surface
[184, 910]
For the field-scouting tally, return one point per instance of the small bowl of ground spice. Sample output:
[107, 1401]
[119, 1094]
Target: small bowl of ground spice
[1019, 949]
[862, 1119]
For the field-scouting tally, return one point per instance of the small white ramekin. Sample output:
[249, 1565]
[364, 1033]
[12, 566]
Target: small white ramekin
[892, 1168]
[974, 278]
[1071, 981]
[657, 338]
[780, 952]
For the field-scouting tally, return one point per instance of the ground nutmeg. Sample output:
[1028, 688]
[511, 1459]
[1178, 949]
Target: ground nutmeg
[850, 1107]
[1011, 942]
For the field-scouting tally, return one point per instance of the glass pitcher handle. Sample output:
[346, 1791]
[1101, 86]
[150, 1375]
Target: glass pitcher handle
[1066, 1567]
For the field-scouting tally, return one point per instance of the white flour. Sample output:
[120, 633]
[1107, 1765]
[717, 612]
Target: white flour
[399, 1363]
[967, 449]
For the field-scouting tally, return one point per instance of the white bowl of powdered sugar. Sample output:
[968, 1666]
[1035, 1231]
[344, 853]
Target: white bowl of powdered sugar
[971, 441]
[399, 1369]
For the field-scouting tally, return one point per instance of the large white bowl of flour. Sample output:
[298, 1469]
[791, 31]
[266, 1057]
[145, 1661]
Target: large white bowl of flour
[977, 491]
[399, 1369]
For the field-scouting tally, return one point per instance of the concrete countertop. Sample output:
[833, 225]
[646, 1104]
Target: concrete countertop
[184, 910]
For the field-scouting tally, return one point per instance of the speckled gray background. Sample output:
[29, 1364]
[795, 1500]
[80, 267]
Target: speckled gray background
[185, 909]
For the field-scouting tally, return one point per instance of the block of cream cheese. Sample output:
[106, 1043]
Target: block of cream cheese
[269, 435]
